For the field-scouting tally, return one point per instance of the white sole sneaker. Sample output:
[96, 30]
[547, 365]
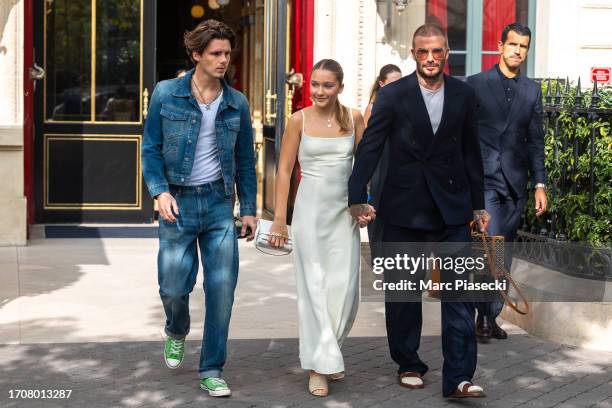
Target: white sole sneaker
[221, 393]
[170, 365]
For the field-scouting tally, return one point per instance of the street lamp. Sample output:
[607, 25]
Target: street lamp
[223, 3]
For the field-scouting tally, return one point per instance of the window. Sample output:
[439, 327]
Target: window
[474, 28]
[497, 15]
[452, 17]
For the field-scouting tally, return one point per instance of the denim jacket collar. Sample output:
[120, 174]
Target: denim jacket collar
[183, 90]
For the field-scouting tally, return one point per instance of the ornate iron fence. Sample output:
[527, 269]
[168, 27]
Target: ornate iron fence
[545, 240]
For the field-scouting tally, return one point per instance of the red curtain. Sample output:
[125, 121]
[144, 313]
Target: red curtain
[436, 12]
[497, 14]
[302, 44]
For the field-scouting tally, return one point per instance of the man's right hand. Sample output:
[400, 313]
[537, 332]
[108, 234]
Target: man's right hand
[167, 206]
[362, 213]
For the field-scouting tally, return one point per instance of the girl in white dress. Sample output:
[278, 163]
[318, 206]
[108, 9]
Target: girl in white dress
[326, 241]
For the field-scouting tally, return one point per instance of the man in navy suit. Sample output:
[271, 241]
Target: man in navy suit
[512, 144]
[433, 188]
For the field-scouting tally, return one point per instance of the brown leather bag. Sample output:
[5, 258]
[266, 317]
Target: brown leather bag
[492, 248]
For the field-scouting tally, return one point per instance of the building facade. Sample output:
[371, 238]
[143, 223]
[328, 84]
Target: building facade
[13, 226]
[68, 157]
[76, 81]
[569, 37]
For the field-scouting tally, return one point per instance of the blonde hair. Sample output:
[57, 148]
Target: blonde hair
[341, 113]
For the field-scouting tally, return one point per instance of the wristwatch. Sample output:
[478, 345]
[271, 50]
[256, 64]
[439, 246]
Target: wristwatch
[540, 185]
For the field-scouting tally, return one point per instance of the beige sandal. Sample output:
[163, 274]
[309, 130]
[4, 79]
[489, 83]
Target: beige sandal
[337, 376]
[317, 385]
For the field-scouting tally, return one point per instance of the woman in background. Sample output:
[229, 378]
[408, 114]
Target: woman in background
[387, 74]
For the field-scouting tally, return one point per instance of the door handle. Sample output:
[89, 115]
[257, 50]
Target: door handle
[145, 103]
[269, 98]
[36, 72]
[294, 80]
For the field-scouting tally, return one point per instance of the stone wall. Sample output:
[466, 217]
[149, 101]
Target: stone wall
[356, 34]
[13, 223]
[571, 37]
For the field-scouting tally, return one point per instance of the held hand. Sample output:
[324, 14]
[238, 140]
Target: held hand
[278, 234]
[362, 212]
[368, 216]
[482, 218]
[541, 201]
[250, 222]
[167, 206]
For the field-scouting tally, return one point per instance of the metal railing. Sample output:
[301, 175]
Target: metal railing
[550, 231]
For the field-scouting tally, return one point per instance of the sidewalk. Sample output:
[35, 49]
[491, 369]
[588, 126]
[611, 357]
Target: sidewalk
[84, 315]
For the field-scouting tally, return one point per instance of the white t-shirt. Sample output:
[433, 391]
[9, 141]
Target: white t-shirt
[206, 164]
[434, 101]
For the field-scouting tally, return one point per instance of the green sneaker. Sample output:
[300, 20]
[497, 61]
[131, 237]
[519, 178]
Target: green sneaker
[174, 352]
[216, 387]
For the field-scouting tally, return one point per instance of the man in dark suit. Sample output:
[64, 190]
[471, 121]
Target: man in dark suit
[512, 143]
[433, 188]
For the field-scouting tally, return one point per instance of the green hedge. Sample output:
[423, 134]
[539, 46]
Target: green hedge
[571, 208]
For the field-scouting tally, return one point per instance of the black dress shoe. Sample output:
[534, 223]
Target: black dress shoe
[497, 332]
[483, 329]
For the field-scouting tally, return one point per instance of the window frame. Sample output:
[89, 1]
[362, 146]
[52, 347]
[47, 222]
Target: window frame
[474, 24]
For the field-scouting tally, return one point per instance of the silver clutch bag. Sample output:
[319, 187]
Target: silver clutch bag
[261, 240]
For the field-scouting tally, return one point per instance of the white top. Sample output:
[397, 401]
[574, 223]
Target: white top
[206, 164]
[434, 101]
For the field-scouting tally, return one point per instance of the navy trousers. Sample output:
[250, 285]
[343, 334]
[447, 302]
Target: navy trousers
[404, 319]
[505, 212]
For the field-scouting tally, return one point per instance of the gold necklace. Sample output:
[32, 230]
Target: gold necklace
[329, 120]
[206, 105]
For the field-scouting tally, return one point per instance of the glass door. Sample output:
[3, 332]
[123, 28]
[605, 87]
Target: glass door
[275, 68]
[90, 106]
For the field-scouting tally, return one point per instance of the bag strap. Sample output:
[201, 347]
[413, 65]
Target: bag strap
[502, 273]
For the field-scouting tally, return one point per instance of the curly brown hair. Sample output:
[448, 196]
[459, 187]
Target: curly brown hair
[198, 39]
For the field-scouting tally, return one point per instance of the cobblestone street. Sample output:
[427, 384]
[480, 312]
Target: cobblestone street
[84, 315]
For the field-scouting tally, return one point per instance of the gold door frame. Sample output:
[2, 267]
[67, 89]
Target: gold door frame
[93, 70]
[48, 137]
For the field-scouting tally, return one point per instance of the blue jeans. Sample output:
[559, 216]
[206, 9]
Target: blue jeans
[205, 218]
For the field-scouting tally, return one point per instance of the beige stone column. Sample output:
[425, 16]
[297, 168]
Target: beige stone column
[363, 36]
[13, 223]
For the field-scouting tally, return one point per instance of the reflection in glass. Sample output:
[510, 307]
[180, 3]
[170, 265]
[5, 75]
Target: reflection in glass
[452, 17]
[456, 64]
[118, 61]
[68, 60]
[496, 16]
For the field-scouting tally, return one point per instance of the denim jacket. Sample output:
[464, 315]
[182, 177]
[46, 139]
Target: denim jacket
[171, 133]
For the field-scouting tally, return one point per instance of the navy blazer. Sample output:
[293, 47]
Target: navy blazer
[511, 138]
[432, 180]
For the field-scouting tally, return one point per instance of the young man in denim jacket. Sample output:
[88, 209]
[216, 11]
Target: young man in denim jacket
[198, 143]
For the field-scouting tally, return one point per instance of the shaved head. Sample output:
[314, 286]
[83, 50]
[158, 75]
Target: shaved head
[429, 30]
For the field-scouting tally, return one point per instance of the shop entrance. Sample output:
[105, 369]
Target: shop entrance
[99, 63]
[90, 105]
